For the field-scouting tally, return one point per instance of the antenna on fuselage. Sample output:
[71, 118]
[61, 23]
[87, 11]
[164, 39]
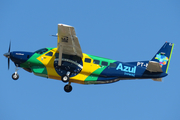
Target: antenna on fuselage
[55, 35]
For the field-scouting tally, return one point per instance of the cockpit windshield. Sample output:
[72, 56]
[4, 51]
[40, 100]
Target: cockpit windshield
[41, 51]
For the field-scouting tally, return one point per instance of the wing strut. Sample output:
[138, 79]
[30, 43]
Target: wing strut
[60, 55]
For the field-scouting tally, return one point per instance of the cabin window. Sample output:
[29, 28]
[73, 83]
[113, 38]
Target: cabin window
[76, 58]
[65, 56]
[87, 60]
[70, 57]
[49, 54]
[112, 65]
[104, 63]
[96, 61]
[41, 51]
[57, 55]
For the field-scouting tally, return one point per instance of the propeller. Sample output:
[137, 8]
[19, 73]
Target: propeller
[8, 55]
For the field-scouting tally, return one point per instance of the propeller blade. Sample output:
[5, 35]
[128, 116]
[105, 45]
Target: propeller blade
[8, 63]
[9, 55]
[9, 47]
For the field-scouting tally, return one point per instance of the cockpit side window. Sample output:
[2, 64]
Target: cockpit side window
[41, 51]
[57, 55]
[49, 54]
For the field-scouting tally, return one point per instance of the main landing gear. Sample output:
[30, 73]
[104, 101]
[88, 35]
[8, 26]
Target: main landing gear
[68, 88]
[15, 75]
[65, 79]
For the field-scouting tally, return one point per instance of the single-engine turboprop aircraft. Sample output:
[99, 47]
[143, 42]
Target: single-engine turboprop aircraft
[69, 64]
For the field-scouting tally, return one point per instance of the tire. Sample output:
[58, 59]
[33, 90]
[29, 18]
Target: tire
[65, 78]
[15, 76]
[67, 88]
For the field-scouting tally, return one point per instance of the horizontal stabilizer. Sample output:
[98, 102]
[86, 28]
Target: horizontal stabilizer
[154, 67]
[157, 79]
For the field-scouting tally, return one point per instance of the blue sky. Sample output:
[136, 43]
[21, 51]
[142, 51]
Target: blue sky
[120, 30]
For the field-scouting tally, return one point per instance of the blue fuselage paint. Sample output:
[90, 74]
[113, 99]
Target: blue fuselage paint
[19, 57]
[122, 70]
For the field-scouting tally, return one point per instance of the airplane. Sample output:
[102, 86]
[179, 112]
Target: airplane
[66, 62]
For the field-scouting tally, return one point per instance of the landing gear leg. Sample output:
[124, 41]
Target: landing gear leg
[65, 78]
[15, 75]
[68, 87]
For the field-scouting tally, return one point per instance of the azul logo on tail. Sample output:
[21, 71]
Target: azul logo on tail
[126, 69]
[162, 59]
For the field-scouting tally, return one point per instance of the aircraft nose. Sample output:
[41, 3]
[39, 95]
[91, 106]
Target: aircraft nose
[19, 57]
[7, 55]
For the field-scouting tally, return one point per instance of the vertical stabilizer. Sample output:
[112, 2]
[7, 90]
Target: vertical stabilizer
[163, 56]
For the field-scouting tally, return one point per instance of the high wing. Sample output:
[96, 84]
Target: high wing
[67, 42]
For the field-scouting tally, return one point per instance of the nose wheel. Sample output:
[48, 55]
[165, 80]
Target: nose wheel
[15, 75]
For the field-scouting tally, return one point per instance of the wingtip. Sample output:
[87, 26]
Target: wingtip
[60, 24]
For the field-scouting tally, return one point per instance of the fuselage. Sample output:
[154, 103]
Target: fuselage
[86, 70]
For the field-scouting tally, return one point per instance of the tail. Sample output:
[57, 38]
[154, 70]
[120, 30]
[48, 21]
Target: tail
[163, 56]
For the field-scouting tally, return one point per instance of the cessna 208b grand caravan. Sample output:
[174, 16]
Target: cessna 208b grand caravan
[69, 64]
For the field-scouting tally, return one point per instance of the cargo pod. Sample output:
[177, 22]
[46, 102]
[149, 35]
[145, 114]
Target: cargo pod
[40, 71]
